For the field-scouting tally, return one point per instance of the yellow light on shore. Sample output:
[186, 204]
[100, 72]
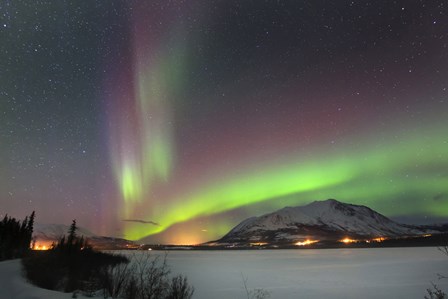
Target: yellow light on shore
[379, 239]
[348, 240]
[41, 247]
[306, 242]
[258, 244]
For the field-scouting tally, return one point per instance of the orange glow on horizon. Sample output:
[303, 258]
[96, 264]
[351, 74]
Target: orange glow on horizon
[185, 240]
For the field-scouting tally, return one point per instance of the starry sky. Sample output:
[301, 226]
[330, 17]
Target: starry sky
[172, 121]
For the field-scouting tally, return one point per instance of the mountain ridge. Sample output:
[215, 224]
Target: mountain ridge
[324, 220]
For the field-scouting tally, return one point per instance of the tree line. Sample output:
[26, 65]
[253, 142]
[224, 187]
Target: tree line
[15, 236]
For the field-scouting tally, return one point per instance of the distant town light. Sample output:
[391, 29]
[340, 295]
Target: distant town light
[306, 242]
[379, 239]
[348, 240]
[41, 247]
[258, 244]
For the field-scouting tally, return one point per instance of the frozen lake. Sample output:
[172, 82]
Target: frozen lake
[326, 273]
[300, 274]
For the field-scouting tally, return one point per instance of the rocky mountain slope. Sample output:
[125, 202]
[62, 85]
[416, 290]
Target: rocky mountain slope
[323, 220]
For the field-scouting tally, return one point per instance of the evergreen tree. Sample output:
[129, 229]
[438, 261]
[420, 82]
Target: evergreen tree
[30, 226]
[72, 233]
[30, 229]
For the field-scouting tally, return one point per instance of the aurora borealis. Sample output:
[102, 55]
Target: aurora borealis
[141, 124]
[172, 121]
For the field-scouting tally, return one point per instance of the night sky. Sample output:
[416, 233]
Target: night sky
[178, 119]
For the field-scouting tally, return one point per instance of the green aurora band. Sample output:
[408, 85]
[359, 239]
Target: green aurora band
[142, 151]
[146, 157]
[413, 165]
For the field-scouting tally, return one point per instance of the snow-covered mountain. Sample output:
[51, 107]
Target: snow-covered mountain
[46, 234]
[55, 231]
[323, 220]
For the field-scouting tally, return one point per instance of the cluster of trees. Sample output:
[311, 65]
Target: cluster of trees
[69, 265]
[72, 265]
[71, 243]
[15, 236]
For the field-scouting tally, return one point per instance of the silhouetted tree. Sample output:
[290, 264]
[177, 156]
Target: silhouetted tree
[72, 233]
[30, 226]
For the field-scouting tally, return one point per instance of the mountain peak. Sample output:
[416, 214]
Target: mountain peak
[330, 201]
[326, 202]
[319, 204]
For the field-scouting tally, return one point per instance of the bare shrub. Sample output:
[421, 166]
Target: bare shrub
[180, 289]
[254, 293]
[435, 292]
[146, 277]
[151, 276]
[131, 289]
[114, 279]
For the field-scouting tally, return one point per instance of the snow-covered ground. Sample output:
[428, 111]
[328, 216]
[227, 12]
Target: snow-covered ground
[14, 286]
[286, 274]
